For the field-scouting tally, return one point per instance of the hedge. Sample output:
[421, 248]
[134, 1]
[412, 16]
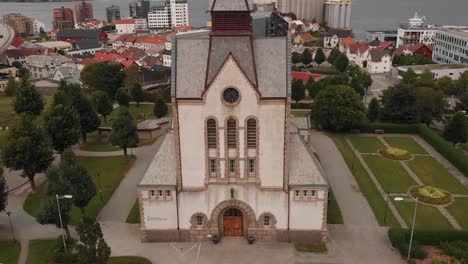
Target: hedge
[426, 237]
[390, 128]
[301, 105]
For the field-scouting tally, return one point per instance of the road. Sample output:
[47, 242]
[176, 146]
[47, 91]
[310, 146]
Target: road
[8, 36]
[380, 82]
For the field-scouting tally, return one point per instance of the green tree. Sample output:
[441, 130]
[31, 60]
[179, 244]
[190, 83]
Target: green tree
[461, 85]
[430, 104]
[89, 120]
[341, 62]
[62, 124]
[104, 77]
[132, 76]
[137, 93]
[425, 79]
[446, 85]
[333, 55]
[28, 100]
[365, 80]
[27, 149]
[298, 90]
[315, 88]
[319, 56]
[160, 108]
[357, 87]
[296, 57]
[102, 104]
[399, 104]
[3, 192]
[122, 97]
[409, 77]
[456, 131]
[374, 110]
[308, 85]
[306, 57]
[93, 248]
[22, 71]
[11, 87]
[339, 108]
[463, 104]
[124, 132]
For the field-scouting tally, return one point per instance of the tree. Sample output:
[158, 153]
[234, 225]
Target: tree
[298, 90]
[124, 132]
[132, 76]
[3, 192]
[430, 104]
[122, 97]
[333, 55]
[319, 56]
[425, 79]
[456, 130]
[409, 77]
[102, 104]
[341, 62]
[315, 88]
[399, 104]
[22, 71]
[11, 87]
[28, 100]
[27, 149]
[374, 110]
[296, 57]
[306, 57]
[89, 120]
[62, 124]
[104, 77]
[357, 87]
[446, 85]
[93, 248]
[160, 108]
[137, 93]
[365, 80]
[339, 108]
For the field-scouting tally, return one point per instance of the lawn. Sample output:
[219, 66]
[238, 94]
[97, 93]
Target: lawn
[144, 111]
[112, 171]
[433, 173]
[128, 260]
[134, 215]
[405, 143]
[7, 115]
[98, 147]
[366, 144]
[367, 187]
[9, 251]
[333, 213]
[459, 210]
[464, 147]
[310, 248]
[300, 113]
[427, 217]
[390, 173]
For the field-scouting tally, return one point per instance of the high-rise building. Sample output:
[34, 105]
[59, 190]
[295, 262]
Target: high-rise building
[21, 24]
[337, 13]
[63, 18]
[304, 9]
[171, 13]
[113, 13]
[451, 46]
[135, 9]
[83, 11]
[145, 8]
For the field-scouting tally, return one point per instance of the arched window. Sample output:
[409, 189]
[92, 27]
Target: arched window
[212, 133]
[232, 133]
[251, 133]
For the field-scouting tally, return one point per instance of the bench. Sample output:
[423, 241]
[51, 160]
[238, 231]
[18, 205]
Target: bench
[379, 131]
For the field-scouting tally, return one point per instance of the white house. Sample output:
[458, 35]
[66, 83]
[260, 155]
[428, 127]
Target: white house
[379, 61]
[69, 72]
[235, 163]
[334, 36]
[44, 66]
[130, 26]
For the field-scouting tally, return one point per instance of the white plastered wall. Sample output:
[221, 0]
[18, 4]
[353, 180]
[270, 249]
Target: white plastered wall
[308, 214]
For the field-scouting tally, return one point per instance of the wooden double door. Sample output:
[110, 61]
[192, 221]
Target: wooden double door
[233, 222]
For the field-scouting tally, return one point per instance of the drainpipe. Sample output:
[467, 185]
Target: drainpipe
[177, 212]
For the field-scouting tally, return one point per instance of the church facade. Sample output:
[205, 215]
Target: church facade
[235, 163]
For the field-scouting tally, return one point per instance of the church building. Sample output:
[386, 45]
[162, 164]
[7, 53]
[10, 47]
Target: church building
[235, 162]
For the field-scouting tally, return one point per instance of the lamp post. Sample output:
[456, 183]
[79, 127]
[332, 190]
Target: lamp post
[11, 226]
[58, 197]
[386, 206]
[415, 200]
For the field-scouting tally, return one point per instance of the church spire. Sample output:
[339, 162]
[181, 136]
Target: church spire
[231, 17]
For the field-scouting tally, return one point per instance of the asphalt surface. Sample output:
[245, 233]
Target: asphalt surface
[8, 36]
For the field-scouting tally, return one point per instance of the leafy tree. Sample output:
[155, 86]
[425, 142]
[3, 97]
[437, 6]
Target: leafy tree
[461, 85]
[310, 82]
[339, 108]
[405, 60]
[399, 104]
[315, 88]
[409, 77]
[341, 62]
[298, 90]
[357, 87]
[102, 104]
[463, 104]
[93, 248]
[306, 57]
[22, 71]
[319, 56]
[3, 192]
[365, 80]
[430, 104]
[160, 108]
[63, 127]
[296, 57]
[122, 97]
[425, 79]
[456, 130]
[11, 87]
[28, 100]
[333, 55]
[446, 85]
[27, 149]
[374, 110]
[137, 93]
[104, 77]
[124, 132]
[132, 76]
[89, 120]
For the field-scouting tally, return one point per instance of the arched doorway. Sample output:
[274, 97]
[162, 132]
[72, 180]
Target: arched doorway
[233, 222]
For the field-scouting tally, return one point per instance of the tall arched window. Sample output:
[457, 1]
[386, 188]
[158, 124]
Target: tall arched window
[232, 133]
[212, 133]
[252, 133]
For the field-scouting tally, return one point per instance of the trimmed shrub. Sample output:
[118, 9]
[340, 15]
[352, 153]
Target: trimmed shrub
[395, 154]
[426, 237]
[456, 249]
[390, 128]
[301, 105]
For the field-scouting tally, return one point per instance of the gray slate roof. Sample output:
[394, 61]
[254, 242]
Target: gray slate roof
[79, 33]
[88, 44]
[231, 5]
[340, 33]
[377, 54]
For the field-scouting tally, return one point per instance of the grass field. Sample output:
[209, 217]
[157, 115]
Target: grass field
[111, 170]
[9, 251]
[333, 213]
[427, 217]
[433, 173]
[390, 173]
[98, 147]
[144, 111]
[134, 215]
[366, 144]
[297, 113]
[405, 143]
[459, 210]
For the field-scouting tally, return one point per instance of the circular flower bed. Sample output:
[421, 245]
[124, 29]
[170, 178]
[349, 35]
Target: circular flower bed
[395, 154]
[431, 195]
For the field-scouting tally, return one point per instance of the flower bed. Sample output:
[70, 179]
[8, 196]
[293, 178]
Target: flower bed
[395, 154]
[431, 195]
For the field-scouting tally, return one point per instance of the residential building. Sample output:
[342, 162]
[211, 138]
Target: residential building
[55, 45]
[63, 18]
[20, 55]
[91, 24]
[304, 9]
[113, 13]
[21, 24]
[386, 35]
[337, 13]
[334, 36]
[217, 172]
[130, 26]
[38, 27]
[416, 31]
[454, 71]
[451, 46]
[167, 54]
[414, 49]
[379, 61]
[5, 72]
[85, 48]
[83, 11]
[169, 14]
[70, 73]
[74, 35]
[142, 42]
[135, 9]
[44, 66]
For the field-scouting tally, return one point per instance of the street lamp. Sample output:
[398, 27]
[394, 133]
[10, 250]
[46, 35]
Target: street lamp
[58, 197]
[416, 201]
[386, 206]
[11, 226]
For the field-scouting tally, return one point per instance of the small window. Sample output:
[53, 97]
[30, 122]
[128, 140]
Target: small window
[298, 193]
[252, 166]
[304, 192]
[168, 194]
[232, 166]
[212, 167]
[152, 193]
[266, 220]
[160, 193]
[199, 220]
[312, 193]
